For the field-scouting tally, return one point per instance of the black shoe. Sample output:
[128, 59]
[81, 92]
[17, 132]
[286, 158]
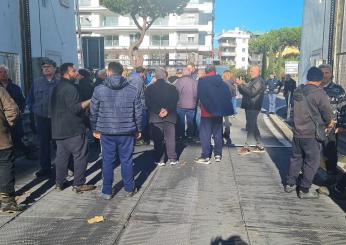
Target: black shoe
[132, 193]
[290, 188]
[43, 173]
[83, 188]
[308, 195]
[59, 188]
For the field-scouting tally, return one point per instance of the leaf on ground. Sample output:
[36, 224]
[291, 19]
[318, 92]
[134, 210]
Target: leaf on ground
[95, 220]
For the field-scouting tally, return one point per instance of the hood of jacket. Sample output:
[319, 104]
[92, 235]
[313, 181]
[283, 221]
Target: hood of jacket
[115, 82]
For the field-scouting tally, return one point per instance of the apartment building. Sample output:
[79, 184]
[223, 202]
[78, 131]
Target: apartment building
[234, 48]
[173, 40]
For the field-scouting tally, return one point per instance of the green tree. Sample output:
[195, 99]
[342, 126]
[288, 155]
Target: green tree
[272, 44]
[144, 13]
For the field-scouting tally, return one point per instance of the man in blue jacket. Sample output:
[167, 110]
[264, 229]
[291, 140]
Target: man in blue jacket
[116, 119]
[38, 102]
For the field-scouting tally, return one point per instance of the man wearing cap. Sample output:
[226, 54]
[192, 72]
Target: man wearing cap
[38, 101]
[310, 103]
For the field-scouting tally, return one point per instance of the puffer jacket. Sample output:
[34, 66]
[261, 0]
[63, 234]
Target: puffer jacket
[253, 94]
[116, 107]
[9, 113]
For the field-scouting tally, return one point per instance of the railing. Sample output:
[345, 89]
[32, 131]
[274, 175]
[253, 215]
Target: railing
[159, 43]
[84, 3]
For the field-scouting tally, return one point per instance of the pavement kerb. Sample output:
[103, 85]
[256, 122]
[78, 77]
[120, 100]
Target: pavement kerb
[288, 134]
[281, 126]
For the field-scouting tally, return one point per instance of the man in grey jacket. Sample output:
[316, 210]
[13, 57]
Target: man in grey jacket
[187, 91]
[305, 147]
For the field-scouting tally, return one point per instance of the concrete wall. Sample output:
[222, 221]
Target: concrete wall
[315, 33]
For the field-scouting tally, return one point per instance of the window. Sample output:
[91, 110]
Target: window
[204, 18]
[244, 40]
[201, 38]
[84, 2]
[244, 50]
[161, 21]
[243, 59]
[134, 37]
[111, 41]
[85, 20]
[109, 21]
[160, 40]
[191, 39]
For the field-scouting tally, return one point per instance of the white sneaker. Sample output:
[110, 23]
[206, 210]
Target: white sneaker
[217, 158]
[203, 160]
[173, 162]
[161, 164]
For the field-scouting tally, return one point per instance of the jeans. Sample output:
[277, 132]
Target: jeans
[77, 146]
[163, 135]
[116, 147]
[272, 102]
[234, 103]
[211, 127]
[306, 154]
[253, 133]
[189, 114]
[7, 172]
[45, 138]
[197, 121]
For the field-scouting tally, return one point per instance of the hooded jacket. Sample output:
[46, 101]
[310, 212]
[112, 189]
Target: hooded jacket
[9, 113]
[321, 110]
[116, 107]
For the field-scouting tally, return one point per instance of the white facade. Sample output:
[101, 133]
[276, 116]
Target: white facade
[184, 38]
[52, 26]
[234, 48]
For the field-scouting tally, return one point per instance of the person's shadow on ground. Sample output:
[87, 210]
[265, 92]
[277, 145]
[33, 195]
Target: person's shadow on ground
[233, 240]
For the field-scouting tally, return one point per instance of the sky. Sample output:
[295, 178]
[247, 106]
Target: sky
[257, 15]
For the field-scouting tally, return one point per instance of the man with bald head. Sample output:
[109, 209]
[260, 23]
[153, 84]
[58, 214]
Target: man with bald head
[187, 92]
[253, 94]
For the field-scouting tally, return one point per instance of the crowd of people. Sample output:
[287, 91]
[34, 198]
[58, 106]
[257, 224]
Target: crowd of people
[189, 105]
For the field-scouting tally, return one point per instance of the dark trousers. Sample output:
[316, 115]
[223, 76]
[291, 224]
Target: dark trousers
[341, 185]
[76, 146]
[190, 115]
[116, 147]
[45, 137]
[145, 124]
[211, 127]
[163, 135]
[331, 154]
[253, 133]
[6, 171]
[306, 155]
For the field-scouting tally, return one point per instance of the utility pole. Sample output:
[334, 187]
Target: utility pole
[79, 34]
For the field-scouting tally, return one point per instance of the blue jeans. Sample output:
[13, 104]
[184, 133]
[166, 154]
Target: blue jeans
[117, 147]
[189, 114]
[272, 102]
[211, 127]
[234, 103]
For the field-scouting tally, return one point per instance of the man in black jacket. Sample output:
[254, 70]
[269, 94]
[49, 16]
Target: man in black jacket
[161, 99]
[253, 94]
[68, 129]
[311, 106]
[336, 96]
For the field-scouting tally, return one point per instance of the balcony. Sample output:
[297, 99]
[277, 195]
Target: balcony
[224, 44]
[160, 43]
[85, 3]
[228, 54]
